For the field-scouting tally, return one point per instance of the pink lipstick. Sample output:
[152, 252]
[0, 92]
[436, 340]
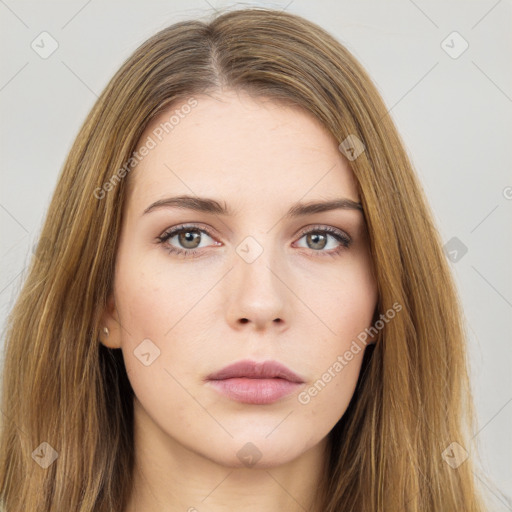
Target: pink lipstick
[255, 383]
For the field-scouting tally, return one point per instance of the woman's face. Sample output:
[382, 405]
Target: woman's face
[250, 277]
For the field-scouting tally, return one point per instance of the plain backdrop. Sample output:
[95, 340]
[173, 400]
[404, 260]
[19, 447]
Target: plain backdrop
[450, 95]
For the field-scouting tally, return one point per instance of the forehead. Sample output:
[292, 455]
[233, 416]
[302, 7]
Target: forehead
[240, 148]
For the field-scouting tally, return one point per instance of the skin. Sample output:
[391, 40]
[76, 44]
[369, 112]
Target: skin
[259, 157]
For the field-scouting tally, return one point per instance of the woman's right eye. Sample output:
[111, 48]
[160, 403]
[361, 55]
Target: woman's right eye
[189, 238]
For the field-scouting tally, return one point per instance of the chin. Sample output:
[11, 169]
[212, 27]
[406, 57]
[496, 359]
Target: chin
[257, 454]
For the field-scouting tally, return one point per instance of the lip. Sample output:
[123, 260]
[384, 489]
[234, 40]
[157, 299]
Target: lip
[254, 382]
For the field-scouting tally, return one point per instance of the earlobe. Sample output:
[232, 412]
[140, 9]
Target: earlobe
[373, 338]
[109, 331]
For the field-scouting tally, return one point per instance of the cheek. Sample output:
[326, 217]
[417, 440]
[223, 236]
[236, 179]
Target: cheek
[335, 361]
[357, 293]
[160, 311]
[154, 294]
[346, 303]
[153, 309]
[343, 298]
[326, 398]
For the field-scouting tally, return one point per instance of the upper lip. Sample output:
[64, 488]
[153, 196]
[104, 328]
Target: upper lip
[256, 370]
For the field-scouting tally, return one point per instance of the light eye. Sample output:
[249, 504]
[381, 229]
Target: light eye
[317, 240]
[188, 240]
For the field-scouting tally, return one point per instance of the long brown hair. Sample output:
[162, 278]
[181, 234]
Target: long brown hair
[64, 388]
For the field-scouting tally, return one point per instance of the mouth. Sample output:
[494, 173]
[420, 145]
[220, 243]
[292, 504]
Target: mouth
[256, 383]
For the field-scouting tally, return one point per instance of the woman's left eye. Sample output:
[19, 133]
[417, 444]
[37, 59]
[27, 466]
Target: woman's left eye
[317, 239]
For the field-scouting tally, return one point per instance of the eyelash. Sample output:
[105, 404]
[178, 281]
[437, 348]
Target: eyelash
[341, 237]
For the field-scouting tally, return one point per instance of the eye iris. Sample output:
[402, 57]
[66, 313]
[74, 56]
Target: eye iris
[186, 237]
[315, 237]
[190, 239]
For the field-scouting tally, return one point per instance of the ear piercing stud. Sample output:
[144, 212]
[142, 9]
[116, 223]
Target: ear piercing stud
[106, 331]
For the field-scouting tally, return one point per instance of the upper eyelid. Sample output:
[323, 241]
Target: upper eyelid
[176, 229]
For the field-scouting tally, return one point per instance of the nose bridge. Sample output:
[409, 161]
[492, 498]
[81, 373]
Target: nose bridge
[257, 293]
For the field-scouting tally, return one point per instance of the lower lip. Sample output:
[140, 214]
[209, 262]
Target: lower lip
[255, 391]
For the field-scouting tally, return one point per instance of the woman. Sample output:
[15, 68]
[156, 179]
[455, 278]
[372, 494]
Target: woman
[240, 300]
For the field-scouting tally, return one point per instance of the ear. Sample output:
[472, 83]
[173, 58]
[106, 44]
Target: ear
[111, 336]
[372, 340]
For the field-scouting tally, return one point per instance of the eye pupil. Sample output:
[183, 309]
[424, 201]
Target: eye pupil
[186, 237]
[315, 237]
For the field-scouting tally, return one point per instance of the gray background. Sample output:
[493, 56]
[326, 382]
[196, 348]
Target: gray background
[453, 114]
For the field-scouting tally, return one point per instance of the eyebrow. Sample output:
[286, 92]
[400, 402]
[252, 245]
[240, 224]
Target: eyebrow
[207, 205]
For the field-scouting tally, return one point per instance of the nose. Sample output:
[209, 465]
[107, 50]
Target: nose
[257, 295]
